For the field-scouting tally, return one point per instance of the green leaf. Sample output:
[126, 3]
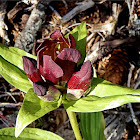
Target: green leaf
[28, 134]
[14, 75]
[80, 34]
[96, 104]
[103, 88]
[32, 109]
[92, 125]
[103, 95]
[14, 55]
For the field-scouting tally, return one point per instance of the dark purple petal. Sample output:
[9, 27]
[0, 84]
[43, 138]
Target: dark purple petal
[30, 68]
[82, 78]
[57, 35]
[71, 41]
[40, 88]
[67, 67]
[50, 70]
[70, 54]
[29, 65]
[40, 57]
[67, 60]
[47, 48]
[47, 43]
[42, 45]
[35, 77]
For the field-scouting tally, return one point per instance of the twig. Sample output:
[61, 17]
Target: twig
[131, 9]
[78, 9]
[92, 35]
[137, 74]
[7, 93]
[81, 3]
[89, 44]
[65, 4]
[26, 37]
[137, 85]
[3, 26]
[116, 9]
[100, 49]
[76, 24]
[135, 120]
[137, 78]
[13, 89]
[5, 123]
[11, 96]
[97, 39]
[5, 88]
[120, 112]
[132, 67]
[10, 105]
[102, 1]
[55, 11]
[103, 27]
[101, 36]
[30, 1]
[23, 94]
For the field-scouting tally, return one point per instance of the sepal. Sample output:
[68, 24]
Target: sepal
[40, 88]
[53, 94]
[74, 94]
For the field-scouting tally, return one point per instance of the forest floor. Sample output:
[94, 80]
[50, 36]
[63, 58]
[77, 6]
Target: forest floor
[113, 47]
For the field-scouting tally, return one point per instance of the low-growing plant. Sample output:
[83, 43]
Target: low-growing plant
[59, 76]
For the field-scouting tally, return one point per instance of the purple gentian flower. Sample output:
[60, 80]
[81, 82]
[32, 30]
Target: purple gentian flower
[56, 65]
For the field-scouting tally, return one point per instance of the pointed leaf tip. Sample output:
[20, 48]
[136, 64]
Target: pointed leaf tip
[32, 109]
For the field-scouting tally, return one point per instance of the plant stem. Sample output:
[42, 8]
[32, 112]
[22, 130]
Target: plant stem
[74, 124]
